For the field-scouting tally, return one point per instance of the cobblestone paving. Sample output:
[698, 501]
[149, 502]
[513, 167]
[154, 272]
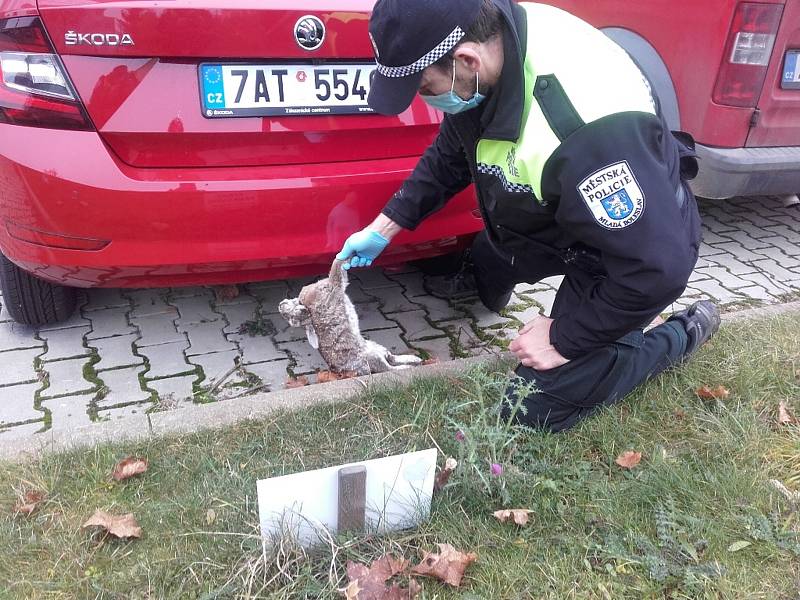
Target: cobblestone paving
[134, 351]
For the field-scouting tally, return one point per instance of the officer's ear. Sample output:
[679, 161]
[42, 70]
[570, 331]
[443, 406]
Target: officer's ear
[469, 57]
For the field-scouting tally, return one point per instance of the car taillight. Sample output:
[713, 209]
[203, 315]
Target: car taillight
[747, 54]
[34, 87]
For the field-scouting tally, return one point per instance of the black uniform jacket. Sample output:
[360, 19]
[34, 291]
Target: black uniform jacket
[640, 268]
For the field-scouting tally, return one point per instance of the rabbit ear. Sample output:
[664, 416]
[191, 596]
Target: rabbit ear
[311, 334]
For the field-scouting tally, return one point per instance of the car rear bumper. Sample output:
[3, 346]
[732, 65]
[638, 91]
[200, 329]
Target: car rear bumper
[729, 172]
[172, 227]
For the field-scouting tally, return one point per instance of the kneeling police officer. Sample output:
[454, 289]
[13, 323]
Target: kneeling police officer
[576, 174]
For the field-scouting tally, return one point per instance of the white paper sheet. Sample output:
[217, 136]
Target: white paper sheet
[398, 496]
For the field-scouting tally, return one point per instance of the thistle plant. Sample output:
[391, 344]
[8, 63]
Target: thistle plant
[485, 433]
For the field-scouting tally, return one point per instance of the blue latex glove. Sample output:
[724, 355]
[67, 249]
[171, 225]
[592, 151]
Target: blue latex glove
[362, 248]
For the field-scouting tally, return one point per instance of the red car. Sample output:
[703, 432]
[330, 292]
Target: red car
[150, 144]
[145, 143]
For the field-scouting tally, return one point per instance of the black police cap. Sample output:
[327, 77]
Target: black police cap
[408, 36]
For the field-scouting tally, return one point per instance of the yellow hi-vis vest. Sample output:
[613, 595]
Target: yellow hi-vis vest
[597, 77]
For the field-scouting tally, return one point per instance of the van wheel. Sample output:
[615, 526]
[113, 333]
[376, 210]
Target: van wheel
[33, 301]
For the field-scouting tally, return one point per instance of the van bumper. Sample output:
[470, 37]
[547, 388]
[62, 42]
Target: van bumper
[729, 172]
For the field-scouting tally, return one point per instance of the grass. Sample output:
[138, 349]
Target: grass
[662, 530]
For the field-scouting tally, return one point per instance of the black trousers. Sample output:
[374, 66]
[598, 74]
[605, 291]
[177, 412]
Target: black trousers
[565, 395]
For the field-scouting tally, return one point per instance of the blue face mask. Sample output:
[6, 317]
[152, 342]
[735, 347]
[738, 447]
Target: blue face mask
[452, 103]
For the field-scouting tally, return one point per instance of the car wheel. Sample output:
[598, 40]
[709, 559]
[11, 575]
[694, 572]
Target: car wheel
[33, 301]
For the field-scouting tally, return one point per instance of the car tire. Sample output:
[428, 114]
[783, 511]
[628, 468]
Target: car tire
[33, 301]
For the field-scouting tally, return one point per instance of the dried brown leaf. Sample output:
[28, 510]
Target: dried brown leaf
[352, 590]
[520, 516]
[29, 502]
[784, 416]
[707, 393]
[430, 361]
[369, 583]
[121, 526]
[443, 477]
[224, 293]
[296, 382]
[447, 566]
[629, 459]
[400, 593]
[326, 376]
[128, 467]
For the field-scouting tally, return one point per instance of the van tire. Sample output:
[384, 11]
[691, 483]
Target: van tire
[33, 301]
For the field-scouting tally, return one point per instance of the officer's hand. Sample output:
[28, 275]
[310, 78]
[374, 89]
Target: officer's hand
[362, 248]
[533, 347]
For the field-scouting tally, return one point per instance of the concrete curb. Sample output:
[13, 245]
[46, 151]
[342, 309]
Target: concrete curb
[762, 311]
[221, 414]
[259, 406]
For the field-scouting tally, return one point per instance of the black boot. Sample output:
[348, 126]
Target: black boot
[456, 285]
[464, 284]
[701, 321]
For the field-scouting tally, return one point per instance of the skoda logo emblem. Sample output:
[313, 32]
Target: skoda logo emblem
[309, 32]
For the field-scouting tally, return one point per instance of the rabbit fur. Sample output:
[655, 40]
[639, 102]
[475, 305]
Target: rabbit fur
[331, 324]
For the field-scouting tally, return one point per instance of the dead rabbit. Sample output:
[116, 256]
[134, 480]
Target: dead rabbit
[331, 323]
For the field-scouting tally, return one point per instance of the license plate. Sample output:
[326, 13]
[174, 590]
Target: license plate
[791, 71]
[281, 90]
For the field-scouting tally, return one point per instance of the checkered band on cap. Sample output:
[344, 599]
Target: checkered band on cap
[426, 61]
